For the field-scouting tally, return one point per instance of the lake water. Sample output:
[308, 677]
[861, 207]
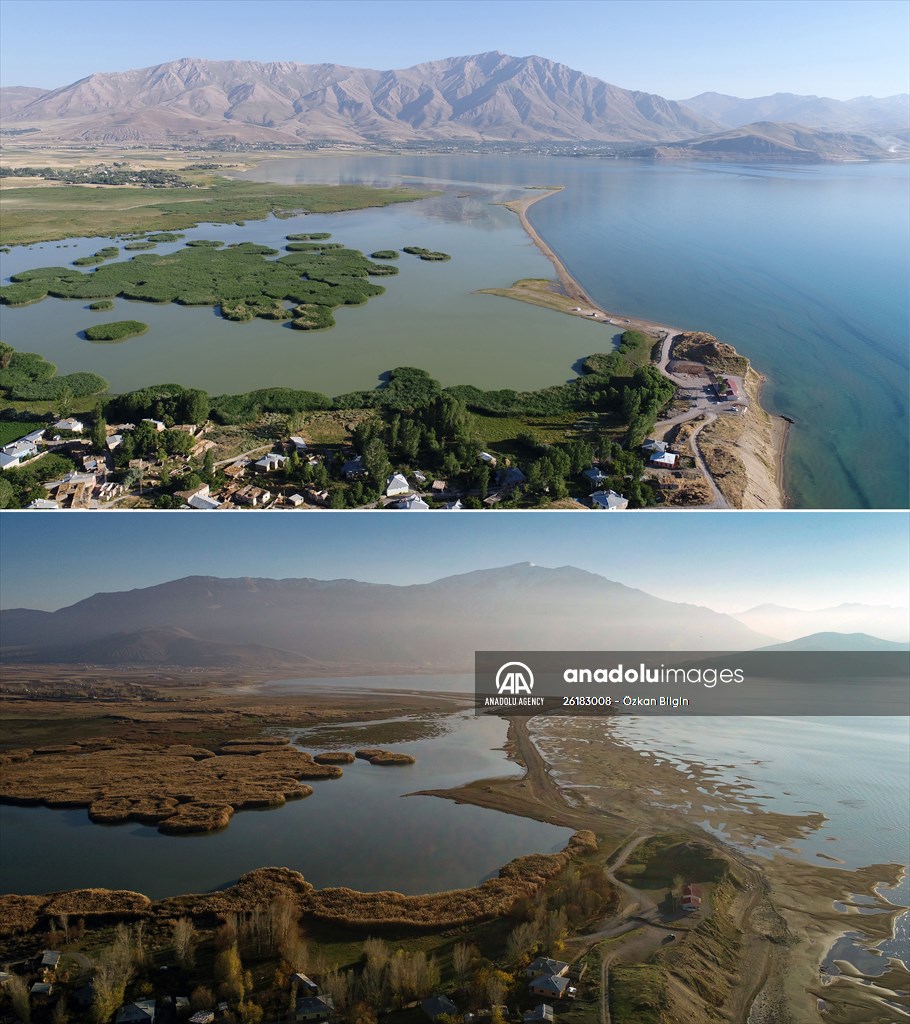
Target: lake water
[854, 771]
[803, 268]
[361, 831]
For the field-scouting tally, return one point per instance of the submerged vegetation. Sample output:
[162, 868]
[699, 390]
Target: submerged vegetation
[118, 330]
[28, 377]
[426, 254]
[240, 279]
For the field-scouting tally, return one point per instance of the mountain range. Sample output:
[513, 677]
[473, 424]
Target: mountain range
[482, 98]
[310, 624]
[783, 623]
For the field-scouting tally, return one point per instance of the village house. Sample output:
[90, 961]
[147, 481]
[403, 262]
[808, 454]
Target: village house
[317, 497]
[50, 958]
[663, 460]
[654, 446]
[271, 462]
[74, 426]
[413, 503]
[420, 477]
[396, 484]
[45, 504]
[489, 459]
[542, 1012]
[114, 441]
[437, 1006]
[202, 1017]
[140, 1012]
[201, 491]
[201, 447]
[254, 497]
[204, 502]
[314, 1008]
[550, 986]
[439, 486]
[305, 986]
[14, 454]
[157, 424]
[454, 506]
[296, 500]
[691, 898]
[300, 446]
[41, 990]
[353, 468]
[510, 478]
[596, 476]
[544, 965]
[608, 501]
[236, 469]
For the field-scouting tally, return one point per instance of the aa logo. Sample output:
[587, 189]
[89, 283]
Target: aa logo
[514, 677]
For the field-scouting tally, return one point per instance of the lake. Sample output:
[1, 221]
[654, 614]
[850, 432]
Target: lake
[803, 268]
[362, 831]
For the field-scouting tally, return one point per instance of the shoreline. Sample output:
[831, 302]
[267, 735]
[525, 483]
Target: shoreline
[765, 493]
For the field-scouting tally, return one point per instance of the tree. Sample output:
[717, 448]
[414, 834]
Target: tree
[521, 943]
[229, 974]
[202, 998]
[18, 996]
[462, 955]
[99, 432]
[249, 1012]
[184, 938]
[176, 442]
[497, 985]
[376, 461]
[208, 466]
[60, 1016]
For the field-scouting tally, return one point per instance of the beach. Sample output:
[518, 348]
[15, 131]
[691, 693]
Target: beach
[742, 456]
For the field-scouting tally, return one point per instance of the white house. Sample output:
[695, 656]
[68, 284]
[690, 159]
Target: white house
[34, 437]
[296, 500]
[608, 501]
[663, 460]
[44, 504]
[489, 459]
[420, 477]
[204, 502]
[413, 503]
[74, 426]
[396, 484]
[15, 454]
[114, 441]
[454, 506]
[269, 463]
[157, 424]
[299, 444]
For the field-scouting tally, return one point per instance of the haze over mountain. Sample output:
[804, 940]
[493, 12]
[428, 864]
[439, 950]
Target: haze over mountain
[842, 642]
[377, 627]
[865, 113]
[488, 96]
[789, 143]
[885, 621]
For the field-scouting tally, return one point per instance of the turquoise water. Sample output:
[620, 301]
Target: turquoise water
[361, 831]
[804, 269]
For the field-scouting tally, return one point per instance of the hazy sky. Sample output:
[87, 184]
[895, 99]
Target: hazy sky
[677, 48]
[729, 562]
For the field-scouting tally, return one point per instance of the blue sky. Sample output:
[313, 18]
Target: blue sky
[728, 561]
[677, 48]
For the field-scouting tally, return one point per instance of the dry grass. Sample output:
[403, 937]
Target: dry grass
[371, 912]
[705, 348]
[179, 788]
[334, 757]
[376, 755]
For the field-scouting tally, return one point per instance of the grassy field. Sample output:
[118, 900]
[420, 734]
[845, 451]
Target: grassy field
[30, 215]
[637, 994]
[13, 430]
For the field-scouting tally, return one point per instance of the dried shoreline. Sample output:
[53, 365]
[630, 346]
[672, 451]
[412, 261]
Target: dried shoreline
[759, 433]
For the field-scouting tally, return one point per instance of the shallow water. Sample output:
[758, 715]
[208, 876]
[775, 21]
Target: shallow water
[361, 831]
[803, 268]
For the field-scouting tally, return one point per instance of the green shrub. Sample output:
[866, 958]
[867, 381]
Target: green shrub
[204, 243]
[310, 236]
[118, 330]
[165, 236]
[134, 246]
[101, 305]
[385, 254]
